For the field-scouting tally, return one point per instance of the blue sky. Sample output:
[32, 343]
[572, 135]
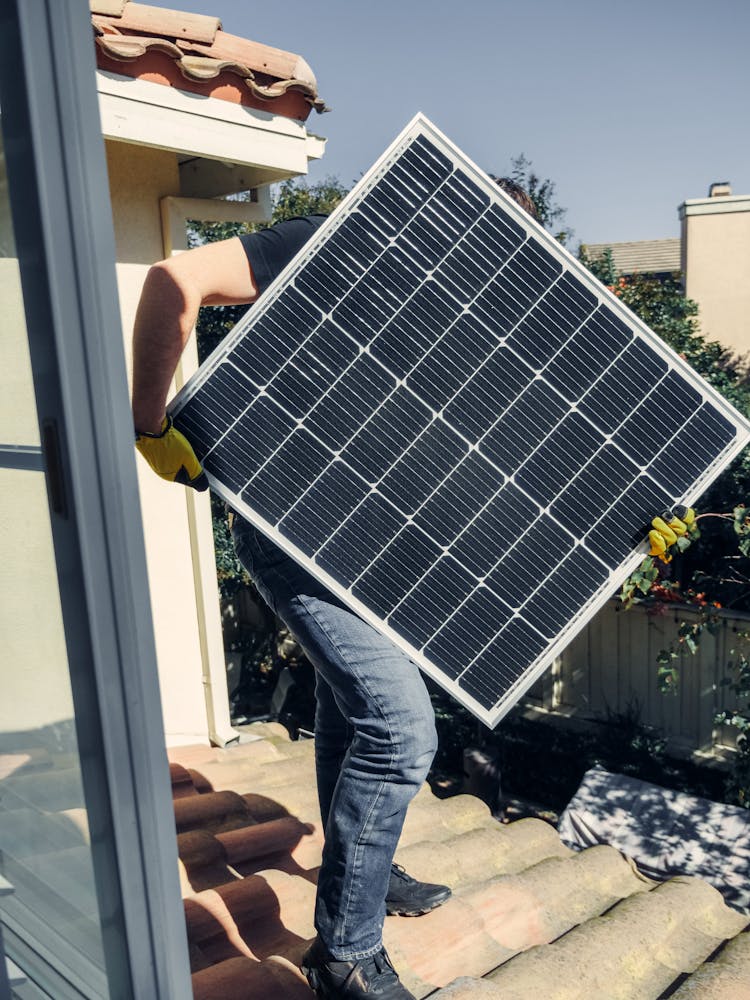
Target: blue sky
[629, 108]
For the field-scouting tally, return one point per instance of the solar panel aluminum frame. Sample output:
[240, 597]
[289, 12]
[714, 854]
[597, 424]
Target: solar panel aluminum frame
[420, 126]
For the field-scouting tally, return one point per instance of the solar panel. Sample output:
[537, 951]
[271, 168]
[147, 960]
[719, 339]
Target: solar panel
[443, 416]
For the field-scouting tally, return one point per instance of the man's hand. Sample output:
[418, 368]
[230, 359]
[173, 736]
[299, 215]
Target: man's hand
[171, 456]
[668, 528]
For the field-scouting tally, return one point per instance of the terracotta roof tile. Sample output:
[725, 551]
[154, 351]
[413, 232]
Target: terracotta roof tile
[139, 17]
[726, 978]
[192, 52]
[528, 917]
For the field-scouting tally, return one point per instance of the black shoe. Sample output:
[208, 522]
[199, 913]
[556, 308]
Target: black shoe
[408, 898]
[368, 978]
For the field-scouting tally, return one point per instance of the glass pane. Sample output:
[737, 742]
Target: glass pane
[44, 835]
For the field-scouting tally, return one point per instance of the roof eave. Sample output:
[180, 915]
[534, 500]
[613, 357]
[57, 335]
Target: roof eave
[267, 147]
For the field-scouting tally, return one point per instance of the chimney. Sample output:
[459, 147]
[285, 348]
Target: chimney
[720, 189]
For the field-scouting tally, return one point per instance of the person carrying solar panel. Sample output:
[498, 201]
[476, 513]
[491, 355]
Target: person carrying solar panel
[374, 724]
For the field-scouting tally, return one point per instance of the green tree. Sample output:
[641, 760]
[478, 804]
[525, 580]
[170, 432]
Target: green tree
[712, 566]
[542, 192]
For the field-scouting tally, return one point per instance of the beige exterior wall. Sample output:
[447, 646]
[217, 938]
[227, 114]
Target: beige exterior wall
[716, 262]
[139, 177]
[177, 522]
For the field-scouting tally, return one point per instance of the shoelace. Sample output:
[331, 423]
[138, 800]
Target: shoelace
[400, 872]
[382, 966]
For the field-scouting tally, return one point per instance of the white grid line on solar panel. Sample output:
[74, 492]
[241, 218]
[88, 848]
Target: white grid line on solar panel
[480, 686]
[467, 632]
[474, 375]
[295, 353]
[426, 534]
[535, 303]
[576, 408]
[447, 583]
[386, 186]
[508, 340]
[212, 415]
[391, 172]
[375, 559]
[380, 224]
[590, 340]
[402, 193]
[448, 481]
[698, 438]
[290, 359]
[483, 580]
[481, 577]
[478, 317]
[515, 653]
[378, 359]
[584, 588]
[523, 541]
[412, 517]
[228, 361]
[311, 335]
[571, 485]
[448, 251]
[464, 634]
[544, 576]
[542, 378]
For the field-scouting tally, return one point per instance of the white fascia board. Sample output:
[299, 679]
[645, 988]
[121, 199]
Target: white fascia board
[150, 114]
[715, 206]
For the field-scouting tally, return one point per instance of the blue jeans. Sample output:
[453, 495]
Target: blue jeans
[374, 742]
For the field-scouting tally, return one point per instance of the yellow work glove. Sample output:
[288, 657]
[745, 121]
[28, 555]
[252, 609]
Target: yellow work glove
[667, 528]
[171, 456]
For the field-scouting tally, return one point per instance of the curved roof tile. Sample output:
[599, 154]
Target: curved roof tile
[528, 917]
[172, 46]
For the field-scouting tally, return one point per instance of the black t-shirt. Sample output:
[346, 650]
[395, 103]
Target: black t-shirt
[270, 250]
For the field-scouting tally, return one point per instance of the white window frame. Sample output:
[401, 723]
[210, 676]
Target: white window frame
[60, 197]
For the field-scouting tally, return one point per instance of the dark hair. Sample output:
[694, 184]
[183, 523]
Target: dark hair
[518, 195]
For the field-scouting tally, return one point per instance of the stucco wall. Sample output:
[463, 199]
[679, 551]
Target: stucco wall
[139, 178]
[716, 249]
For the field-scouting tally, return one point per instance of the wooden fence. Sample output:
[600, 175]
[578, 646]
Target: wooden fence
[610, 667]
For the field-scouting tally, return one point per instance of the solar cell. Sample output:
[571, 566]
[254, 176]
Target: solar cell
[442, 415]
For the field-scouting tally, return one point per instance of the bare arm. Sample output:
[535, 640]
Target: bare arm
[174, 291]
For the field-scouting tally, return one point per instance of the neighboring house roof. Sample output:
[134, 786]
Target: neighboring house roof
[529, 917]
[640, 256]
[192, 53]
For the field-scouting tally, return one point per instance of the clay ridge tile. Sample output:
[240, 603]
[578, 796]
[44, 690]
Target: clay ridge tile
[145, 19]
[256, 56]
[200, 49]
